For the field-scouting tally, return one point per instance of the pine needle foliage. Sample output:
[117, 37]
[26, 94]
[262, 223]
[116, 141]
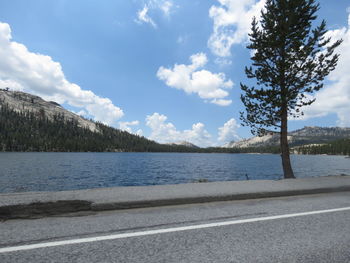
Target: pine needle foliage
[290, 60]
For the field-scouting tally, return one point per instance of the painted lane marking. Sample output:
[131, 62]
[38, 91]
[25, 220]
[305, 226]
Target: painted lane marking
[162, 231]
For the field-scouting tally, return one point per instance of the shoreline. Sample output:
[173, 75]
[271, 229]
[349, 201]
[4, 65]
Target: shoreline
[121, 152]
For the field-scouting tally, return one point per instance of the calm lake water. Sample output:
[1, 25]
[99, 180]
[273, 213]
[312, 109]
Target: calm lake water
[21, 172]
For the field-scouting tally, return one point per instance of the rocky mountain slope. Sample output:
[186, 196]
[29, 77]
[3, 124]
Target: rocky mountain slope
[21, 101]
[184, 143]
[30, 124]
[306, 135]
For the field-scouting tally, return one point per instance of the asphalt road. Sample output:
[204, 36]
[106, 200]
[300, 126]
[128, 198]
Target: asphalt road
[239, 231]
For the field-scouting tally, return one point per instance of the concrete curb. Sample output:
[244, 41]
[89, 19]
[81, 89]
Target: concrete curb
[42, 204]
[208, 199]
[41, 209]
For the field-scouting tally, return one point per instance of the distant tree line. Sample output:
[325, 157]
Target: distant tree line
[27, 131]
[337, 147]
[262, 149]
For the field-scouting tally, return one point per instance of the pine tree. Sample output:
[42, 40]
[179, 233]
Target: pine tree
[290, 60]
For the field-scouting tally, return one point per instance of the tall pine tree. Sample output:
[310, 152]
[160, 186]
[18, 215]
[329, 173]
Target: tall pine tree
[290, 60]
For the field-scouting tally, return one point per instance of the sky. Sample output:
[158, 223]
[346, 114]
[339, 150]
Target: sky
[169, 70]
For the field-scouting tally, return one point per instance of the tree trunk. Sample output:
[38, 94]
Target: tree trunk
[286, 164]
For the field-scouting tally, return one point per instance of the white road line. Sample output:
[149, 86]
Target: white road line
[162, 231]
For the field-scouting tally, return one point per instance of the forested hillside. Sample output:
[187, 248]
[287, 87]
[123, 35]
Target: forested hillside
[29, 131]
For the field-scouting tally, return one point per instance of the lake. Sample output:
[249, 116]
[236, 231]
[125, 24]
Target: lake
[22, 172]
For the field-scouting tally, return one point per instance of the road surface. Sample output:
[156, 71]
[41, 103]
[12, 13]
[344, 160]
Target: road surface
[313, 228]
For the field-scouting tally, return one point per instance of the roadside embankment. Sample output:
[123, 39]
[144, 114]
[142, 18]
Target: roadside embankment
[41, 204]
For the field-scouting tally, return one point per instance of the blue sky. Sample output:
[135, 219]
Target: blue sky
[167, 69]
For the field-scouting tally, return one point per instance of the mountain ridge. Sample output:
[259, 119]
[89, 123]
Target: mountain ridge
[21, 101]
[303, 136]
[29, 123]
[184, 143]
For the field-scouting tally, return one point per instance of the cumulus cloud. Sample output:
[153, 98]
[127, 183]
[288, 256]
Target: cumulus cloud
[232, 22]
[10, 83]
[228, 132]
[81, 113]
[191, 79]
[125, 126]
[165, 132]
[164, 6]
[23, 70]
[221, 102]
[334, 98]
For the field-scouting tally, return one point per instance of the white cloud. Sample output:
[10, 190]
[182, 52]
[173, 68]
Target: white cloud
[164, 6]
[143, 17]
[205, 84]
[125, 126]
[36, 73]
[228, 132]
[81, 113]
[165, 132]
[232, 23]
[335, 97]
[10, 83]
[223, 62]
[221, 102]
